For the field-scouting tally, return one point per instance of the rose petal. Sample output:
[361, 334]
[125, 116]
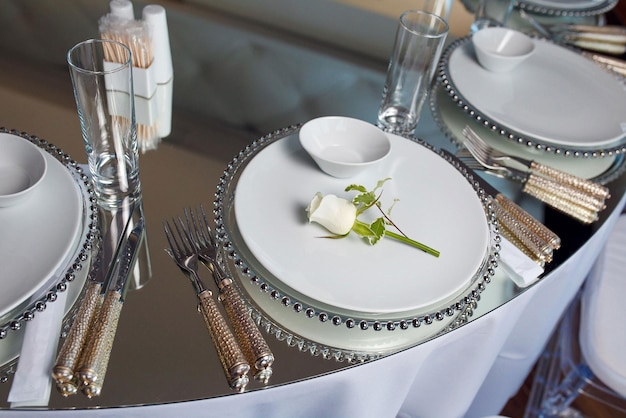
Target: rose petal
[334, 213]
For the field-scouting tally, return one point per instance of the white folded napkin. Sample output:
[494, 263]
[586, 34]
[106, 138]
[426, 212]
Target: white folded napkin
[32, 381]
[521, 268]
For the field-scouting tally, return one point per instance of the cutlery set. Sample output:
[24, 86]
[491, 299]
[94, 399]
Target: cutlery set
[574, 196]
[191, 241]
[608, 39]
[83, 359]
[532, 237]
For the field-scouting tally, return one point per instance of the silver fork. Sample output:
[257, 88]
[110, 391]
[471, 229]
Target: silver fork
[231, 357]
[567, 199]
[253, 344]
[472, 139]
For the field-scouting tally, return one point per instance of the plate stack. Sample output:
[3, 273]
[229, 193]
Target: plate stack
[45, 245]
[558, 108]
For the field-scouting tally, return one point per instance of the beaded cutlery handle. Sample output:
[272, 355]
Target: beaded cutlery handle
[63, 371]
[253, 344]
[231, 357]
[562, 177]
[576, 196]
[533, 224]
[583, 214]
[95, 361]
[540, 249]
[506, 233]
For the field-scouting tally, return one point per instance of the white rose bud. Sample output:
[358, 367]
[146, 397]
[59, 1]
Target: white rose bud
[332, 212]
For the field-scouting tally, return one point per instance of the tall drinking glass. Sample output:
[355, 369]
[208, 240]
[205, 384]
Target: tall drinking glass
[419, 41]
[101, 72]
[491, 13]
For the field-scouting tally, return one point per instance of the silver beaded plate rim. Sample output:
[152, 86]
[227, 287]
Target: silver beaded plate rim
[600, 8]
[461, 305]
[597, 9]
[83, 251]
[443, 77]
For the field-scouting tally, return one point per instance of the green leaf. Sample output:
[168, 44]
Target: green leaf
[364, 200]
[380, 183]
[356, 187]
[378, 230]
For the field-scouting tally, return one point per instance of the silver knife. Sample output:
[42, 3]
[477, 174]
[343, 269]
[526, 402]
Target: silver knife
[64, 371]
[94, 362]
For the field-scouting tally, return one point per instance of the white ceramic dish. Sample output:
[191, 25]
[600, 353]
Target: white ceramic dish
[555, 96]
[343, 147]
[22, 169]
[501, 49]
[437, 207]
[39, 237]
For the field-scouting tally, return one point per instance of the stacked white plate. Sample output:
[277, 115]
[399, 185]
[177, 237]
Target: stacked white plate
[557, 102]
[44, 245]
[341, 292]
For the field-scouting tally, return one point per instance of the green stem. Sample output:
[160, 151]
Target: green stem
[414, 243]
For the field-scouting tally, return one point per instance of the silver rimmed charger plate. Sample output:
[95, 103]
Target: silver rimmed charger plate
[37, 292]
[343, 293]
[559, 8]
[556, 101]
[452, 118]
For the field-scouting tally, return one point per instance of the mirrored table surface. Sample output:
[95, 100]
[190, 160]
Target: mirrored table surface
[162, 352]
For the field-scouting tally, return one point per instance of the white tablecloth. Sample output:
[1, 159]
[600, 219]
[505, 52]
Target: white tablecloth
[470, 372]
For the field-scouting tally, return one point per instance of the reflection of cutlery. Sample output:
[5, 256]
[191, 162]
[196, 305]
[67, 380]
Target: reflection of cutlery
[231, 357]
[94, 363]
[253, 344]
[614, 64]
[528, 234]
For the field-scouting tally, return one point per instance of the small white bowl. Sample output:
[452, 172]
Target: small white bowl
[342, 146]
[501, 49]
[22, 167]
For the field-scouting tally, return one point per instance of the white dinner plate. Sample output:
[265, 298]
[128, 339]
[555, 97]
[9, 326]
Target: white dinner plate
[556, 96]
[436, 206]
[39, 236]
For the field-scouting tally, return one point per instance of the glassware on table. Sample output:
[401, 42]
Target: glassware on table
[101, 72]
[418, 45]
[491, 13]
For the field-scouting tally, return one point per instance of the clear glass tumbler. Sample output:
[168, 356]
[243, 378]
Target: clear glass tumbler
[491, 13]
[419, 41]
[101, 72]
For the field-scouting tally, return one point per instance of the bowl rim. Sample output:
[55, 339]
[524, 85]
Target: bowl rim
[313, 152]
[8, 199]
[479, 42]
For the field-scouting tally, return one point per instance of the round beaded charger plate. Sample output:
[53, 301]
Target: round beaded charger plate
[567, 8]
[320, 284]
[556, 100]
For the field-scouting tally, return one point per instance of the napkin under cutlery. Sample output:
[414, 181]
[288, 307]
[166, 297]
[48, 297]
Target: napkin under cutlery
[32, 382]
